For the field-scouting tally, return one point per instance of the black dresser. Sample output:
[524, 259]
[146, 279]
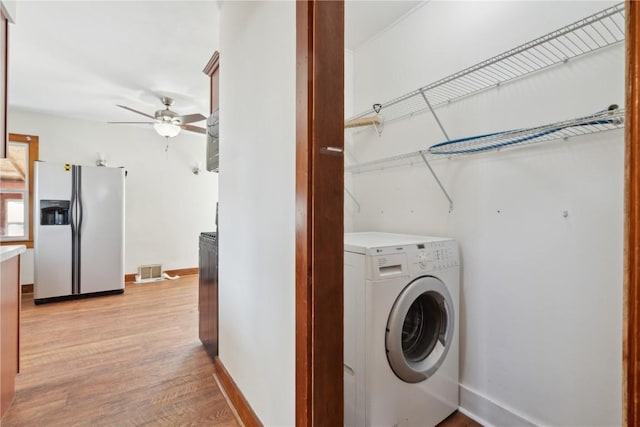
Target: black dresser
[208, 292]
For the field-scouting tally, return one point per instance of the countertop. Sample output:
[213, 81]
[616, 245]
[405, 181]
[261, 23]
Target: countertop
[7, 252]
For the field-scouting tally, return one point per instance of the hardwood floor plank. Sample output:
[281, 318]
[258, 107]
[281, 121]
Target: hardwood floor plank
[458, 419]
[121, 360]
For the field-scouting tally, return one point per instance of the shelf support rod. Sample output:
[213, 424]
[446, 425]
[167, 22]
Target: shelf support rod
[426, 162]
[352, 197]
[435, 116]
[424, 159]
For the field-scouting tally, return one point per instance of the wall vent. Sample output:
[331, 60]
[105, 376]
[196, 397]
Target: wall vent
[149, 272]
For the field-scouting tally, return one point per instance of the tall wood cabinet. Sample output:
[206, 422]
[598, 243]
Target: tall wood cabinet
[9, 323]
[213, 71]
[208, 265]
[208, 293]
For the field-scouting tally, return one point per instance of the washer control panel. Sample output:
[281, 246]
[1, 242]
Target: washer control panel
[435, 256]
[395, 261]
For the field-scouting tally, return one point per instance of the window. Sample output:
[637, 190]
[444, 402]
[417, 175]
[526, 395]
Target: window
[16, 190]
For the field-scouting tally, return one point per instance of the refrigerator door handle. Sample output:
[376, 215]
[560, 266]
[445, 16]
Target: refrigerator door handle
[80, 207]
[79, 229]
[72, 220]
[74, 231]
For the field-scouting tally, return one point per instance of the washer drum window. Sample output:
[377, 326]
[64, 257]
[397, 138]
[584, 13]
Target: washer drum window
[420, 329]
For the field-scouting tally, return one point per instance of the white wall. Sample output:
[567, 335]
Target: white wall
[257, 204]
[166, 205]
[9, 9]
[541, 313]
[350, 207]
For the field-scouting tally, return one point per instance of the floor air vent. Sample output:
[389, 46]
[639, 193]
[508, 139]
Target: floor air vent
[149, 273]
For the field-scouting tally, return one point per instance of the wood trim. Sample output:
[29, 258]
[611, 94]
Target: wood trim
[26, 288]
[242, 407]
[34, 153]
[19, 309]
[214, 98]
[631, 340]
[180, 272]
[18, 137]
[211, 70]
[5, 65]
[213, 64]
[304, 375]
[319, 212]
[10, 330]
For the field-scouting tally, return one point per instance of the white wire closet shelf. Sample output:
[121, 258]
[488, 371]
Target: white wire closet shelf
[610, 119]
[595, 32]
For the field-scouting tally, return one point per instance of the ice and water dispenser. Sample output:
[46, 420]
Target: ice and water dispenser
[54, 212]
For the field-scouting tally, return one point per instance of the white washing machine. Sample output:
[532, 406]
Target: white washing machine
[401, 299]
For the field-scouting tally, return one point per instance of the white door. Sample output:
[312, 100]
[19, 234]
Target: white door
[52, 243]
[101, 228]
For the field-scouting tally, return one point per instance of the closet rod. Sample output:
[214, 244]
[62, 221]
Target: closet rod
[363, 121]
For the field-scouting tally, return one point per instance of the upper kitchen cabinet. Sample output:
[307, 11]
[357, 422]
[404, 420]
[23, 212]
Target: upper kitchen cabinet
[7, 15]
[212, 70]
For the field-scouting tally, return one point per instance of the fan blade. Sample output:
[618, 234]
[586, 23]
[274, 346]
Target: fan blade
[190, 118]
[136, 111]
[131, 123]
[193, 128]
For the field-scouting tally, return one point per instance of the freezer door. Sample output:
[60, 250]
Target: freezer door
[101, 229]
[52, 243]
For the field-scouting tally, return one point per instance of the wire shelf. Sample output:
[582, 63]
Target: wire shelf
[602, 29]
[602, 121]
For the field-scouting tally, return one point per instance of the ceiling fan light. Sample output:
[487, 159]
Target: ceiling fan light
[168, 130]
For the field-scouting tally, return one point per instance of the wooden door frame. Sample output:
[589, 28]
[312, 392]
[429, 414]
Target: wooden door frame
[631, 317]
[319, 215]
[34, 152]
[4, 81]
[319, 212]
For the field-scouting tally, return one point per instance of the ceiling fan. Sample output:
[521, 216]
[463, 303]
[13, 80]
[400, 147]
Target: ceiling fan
[166, 122]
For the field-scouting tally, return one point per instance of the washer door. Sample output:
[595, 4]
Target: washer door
[420, 329]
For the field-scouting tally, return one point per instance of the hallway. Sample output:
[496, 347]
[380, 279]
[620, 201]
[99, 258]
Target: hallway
[122, 360]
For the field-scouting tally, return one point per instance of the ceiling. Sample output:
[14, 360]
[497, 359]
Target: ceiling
[365, 19]
[80, 58]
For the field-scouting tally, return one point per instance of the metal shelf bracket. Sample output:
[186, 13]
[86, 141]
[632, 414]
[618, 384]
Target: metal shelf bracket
[426, 162]
[352, 197]
[435, 116]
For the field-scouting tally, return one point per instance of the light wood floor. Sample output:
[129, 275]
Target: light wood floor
[121, 360]
[457, 419]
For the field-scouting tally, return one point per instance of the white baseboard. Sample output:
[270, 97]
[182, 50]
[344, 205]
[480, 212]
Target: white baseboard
[487, 412]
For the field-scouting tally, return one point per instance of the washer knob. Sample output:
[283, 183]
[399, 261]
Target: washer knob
[422, 259]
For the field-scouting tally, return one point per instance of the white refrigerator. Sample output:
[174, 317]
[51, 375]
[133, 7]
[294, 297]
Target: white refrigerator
[78, 231]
